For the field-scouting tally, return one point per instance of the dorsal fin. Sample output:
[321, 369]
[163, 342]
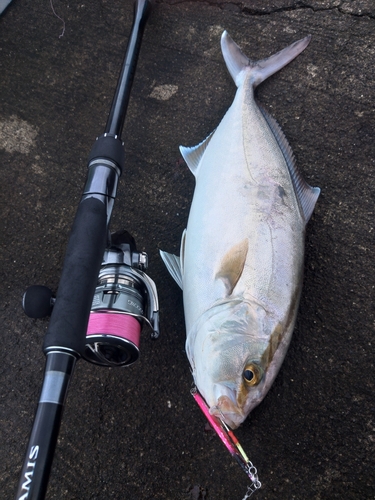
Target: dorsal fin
[193, 155]
[307, 195]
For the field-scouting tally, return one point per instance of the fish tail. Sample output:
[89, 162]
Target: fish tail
[239, 65]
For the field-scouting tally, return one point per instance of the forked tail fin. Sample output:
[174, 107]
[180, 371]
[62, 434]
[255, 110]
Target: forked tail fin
[240, 65]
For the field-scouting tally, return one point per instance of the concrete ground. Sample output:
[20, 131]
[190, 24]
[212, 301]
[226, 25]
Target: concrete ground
[137, 433]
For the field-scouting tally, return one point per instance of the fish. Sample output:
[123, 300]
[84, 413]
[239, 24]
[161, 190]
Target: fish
[242, 253]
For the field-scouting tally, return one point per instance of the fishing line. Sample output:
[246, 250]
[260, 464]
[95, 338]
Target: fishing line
[115, 324]
[120, 328]
[58, 17]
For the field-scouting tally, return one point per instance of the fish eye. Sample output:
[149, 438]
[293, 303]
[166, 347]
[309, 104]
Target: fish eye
[252, 374]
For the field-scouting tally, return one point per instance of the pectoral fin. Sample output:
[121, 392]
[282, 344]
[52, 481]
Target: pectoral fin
[232, 265]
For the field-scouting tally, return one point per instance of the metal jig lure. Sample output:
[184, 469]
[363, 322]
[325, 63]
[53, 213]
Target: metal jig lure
[231, 443]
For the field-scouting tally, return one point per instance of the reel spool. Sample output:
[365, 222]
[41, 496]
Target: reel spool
[124, 299]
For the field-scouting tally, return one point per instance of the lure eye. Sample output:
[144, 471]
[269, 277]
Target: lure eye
[252, 374]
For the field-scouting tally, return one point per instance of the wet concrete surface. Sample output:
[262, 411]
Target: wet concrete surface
[137, 433]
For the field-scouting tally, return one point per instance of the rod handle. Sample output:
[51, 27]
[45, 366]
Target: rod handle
[84, 254]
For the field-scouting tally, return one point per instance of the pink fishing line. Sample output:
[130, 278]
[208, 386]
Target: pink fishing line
[120, 325]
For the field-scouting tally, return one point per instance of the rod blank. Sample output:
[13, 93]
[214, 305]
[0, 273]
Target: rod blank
[120, 101]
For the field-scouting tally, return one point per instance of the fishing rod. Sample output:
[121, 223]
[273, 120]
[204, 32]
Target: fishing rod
[104, 296]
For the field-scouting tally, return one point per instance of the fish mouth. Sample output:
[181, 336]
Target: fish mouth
[226, 410]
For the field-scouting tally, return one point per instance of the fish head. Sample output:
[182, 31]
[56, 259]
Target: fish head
[231, 352]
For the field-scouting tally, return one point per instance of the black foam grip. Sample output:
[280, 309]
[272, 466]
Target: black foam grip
[84, 254]
[108, 147]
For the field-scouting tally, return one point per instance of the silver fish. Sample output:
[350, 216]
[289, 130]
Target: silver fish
[241, 257]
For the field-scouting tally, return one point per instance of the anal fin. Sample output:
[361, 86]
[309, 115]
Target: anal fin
[193, 155]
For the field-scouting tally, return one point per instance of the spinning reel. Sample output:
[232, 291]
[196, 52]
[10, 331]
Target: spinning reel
[125, 298]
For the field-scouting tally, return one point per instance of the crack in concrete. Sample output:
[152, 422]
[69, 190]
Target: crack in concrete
[264, 11]
[303, 6]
